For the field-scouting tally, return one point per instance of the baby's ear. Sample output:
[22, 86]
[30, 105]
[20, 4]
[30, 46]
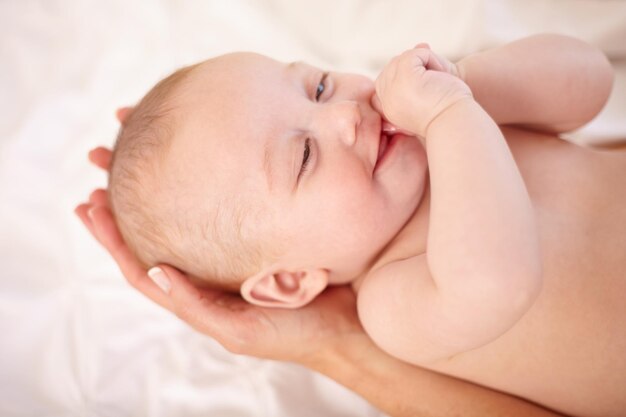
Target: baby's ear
[285, 289]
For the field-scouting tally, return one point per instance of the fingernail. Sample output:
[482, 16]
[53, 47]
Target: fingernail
[90, 212]
[160, 279]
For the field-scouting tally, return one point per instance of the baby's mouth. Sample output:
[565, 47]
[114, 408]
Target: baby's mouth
[391, 129]
[382, 147]
[389, 135]
[387, 131]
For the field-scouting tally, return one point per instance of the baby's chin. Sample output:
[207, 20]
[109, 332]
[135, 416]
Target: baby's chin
[405, 176]
[353, 272]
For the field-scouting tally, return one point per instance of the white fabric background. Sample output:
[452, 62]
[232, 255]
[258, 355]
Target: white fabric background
[75, 340]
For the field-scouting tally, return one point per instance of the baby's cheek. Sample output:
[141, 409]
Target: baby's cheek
[358, 210]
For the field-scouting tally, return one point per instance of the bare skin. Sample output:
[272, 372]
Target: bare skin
[563, 344]
[324, 336]
[336, 354]
[568, 334]
[574, 332]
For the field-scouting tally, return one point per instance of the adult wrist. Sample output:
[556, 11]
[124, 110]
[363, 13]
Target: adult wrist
[332, 355]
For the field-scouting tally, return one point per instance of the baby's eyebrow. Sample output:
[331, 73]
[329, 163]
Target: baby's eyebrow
[294, 65]
[268, 165]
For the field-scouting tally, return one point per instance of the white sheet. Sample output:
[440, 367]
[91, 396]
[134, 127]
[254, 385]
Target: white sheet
[76, 340]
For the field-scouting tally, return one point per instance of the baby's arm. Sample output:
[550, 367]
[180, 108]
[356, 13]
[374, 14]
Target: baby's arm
[546, 82]
[482, 268]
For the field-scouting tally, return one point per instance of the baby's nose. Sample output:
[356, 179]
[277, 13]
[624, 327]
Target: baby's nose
[346, 120]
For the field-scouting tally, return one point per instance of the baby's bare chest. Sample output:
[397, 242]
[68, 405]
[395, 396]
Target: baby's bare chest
[573, 340]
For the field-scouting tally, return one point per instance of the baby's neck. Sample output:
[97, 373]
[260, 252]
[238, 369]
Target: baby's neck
[410, 241]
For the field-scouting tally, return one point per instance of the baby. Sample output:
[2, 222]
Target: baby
[479, 243]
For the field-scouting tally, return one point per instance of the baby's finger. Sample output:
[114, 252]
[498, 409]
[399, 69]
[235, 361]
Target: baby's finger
[101, 157]
[110, 237]
[428, 59]
[385, 77]
[442, 63]
[434, 64]
[386, 126]
[376, 104]
[422, 45]
[432, 61]
[379, 88]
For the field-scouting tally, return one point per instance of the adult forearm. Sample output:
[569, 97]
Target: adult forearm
[546, 81]
[483, 244]
[403, 390]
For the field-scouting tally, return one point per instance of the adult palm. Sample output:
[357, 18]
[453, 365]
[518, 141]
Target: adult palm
[288, 335]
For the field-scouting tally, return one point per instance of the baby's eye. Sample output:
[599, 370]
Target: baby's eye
[305, 158]
[321, 87]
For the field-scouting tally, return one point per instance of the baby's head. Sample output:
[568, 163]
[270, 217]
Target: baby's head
[255, 175]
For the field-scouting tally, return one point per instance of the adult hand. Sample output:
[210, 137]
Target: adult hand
[325, 335]
[288, 335]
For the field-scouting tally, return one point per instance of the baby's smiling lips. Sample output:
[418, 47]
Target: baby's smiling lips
[391, 129]
[388, 134]
[382, 147]
[387, 130]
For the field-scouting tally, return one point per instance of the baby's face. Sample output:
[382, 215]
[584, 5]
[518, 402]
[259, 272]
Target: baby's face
[302, 144]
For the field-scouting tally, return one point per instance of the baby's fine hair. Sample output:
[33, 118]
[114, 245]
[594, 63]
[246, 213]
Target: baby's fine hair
[216, 254]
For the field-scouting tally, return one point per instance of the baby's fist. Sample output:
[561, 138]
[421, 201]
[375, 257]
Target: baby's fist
[414, 89]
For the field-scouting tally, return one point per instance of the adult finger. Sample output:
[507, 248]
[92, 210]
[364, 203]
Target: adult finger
[122, 113]
[109, 236]
[98, 197]
[101, 157]
[224, 316]
[82, 211]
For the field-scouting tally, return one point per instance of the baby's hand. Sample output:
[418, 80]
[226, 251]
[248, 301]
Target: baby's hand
[414, 88]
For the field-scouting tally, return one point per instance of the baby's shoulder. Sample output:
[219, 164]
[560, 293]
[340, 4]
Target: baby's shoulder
[392, 272]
